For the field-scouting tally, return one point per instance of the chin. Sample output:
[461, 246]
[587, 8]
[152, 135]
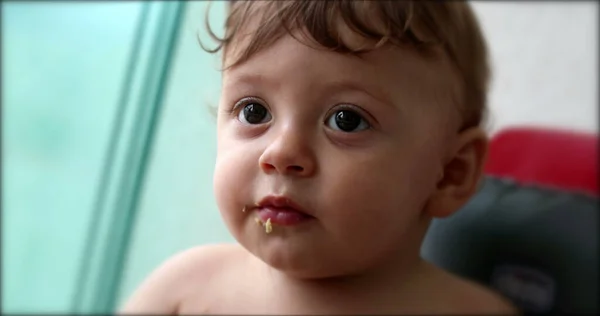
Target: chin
[304, 265]
[307, 273]
[317, 273]
[292, 260]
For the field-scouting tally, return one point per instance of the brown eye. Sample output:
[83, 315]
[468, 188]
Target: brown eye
[347, 121]
[254, 113]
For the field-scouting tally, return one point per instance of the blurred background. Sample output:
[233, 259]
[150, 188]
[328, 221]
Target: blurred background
[109, 142]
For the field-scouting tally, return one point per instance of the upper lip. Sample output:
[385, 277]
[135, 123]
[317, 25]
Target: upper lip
[280, 201]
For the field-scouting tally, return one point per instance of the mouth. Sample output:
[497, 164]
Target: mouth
[281, 210]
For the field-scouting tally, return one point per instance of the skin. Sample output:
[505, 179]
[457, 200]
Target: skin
[372, 191]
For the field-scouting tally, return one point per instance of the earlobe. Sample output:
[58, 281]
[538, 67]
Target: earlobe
[461, 174]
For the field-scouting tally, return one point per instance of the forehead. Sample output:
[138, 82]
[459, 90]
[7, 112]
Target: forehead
[392, 72]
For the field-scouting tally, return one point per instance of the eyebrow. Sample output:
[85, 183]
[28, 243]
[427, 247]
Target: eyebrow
[250, 79]
[329, 87]
[355, 86]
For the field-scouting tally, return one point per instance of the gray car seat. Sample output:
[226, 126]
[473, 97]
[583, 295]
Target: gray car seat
[538, 247]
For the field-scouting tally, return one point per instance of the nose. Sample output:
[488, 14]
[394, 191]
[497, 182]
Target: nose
[289, 154]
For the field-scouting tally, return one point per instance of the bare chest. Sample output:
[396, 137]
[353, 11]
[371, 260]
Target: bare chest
[242, 298]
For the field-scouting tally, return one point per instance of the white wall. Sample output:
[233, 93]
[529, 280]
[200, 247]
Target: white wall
[545, 62]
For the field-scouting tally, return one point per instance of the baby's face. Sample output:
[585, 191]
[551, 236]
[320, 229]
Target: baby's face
[356, 145]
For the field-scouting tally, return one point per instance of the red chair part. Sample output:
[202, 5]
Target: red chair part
[562, 159]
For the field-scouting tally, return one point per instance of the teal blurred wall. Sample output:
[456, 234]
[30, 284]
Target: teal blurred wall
[108, 148]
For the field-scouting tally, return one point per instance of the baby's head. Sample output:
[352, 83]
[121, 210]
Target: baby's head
[363, 115]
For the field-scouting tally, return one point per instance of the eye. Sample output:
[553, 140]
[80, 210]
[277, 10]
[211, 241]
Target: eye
[254, 113]
[347, 121]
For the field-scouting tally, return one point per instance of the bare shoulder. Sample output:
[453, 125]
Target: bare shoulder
[163, 290]
[473, 298]
[480, 300]
[467, 297]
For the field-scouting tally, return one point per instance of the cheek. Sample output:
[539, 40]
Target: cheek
[375, 201]
[378, 182]
[231, 181]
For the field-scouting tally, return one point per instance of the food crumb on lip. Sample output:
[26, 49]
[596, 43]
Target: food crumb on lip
[268, 226]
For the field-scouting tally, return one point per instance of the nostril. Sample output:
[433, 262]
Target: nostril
[296, 168]
[268, 166]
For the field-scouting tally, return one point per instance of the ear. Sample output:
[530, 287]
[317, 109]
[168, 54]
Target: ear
[461, 173]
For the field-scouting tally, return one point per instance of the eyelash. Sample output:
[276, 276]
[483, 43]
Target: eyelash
[239, 105]
[351, 107]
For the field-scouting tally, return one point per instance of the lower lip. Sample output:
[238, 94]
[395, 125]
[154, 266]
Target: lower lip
[282, 216]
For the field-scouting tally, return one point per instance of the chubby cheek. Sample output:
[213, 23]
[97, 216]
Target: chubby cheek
[374, 203]
[232, 181]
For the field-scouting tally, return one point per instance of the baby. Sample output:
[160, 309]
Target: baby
[344, 128]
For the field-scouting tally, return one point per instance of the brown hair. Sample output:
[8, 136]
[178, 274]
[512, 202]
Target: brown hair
[429, 27]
